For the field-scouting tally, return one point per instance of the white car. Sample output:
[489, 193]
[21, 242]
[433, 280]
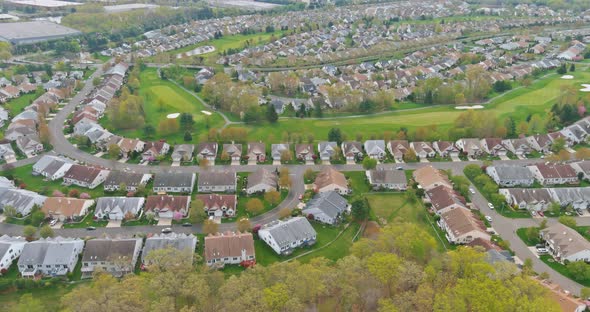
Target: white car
[166, 230]
[471, 190]
[488, 218]
[53, 222]
[542, 251]
[490, 205]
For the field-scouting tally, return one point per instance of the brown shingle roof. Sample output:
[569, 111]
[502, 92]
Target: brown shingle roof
[166, 202]
[330, 176]
[63, 206]
[228, 245]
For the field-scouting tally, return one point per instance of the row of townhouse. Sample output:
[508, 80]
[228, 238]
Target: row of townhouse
[456, 219]
[540, 199]
[58, 256]
[544, 173]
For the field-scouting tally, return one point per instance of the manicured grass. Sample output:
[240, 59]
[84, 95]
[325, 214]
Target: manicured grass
[325, 234]
[16, 106]
[563, 270]
[522, 235]
[243, 200]
[49, 296]
[358, 182]
[392, 207]
[175, 100]
[517, 103]
[37, 184]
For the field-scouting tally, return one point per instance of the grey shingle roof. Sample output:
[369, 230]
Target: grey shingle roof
[513, 173]
[176, 179]
[125, 204]
[292, 230]
[329, 203]
[209, 178]
[172, 240]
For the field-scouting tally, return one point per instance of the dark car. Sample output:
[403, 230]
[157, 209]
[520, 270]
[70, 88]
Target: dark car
[187, 224]
[91, 228]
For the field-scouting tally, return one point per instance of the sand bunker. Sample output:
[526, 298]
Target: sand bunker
[567, 77]
[469, 107]
[196, 51]
[173, 116]
[586, 87]
[208, 113]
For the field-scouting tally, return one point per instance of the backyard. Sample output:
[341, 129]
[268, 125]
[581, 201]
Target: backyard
[391, 207]
[162, 97]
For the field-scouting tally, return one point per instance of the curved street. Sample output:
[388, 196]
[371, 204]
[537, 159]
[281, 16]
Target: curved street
[505, 227]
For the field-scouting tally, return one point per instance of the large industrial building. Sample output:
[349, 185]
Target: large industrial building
[32, 32]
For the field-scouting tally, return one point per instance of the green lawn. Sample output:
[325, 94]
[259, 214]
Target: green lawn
[243, 200]
[522, 235]
[37, 184]
[50, 296]
[563, 270]
[175, 100]
[517, 103]
[358, 182]
[16, 106]
[394, 207]
[325, 234]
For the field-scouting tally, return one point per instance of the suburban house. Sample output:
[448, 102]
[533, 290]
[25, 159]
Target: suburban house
[6, 183]
[462, 227]
[327, 207]
[21, 200]
[64, 208]
[216, 205]
[553, 174]
[52, 167]
[375, 149]
[446, 149]
[327, 150]
[428, 178]
[305, 152]
[443, 199]
[352, 151]
[49, 257]
[7, 152]
[168, 206]
[233, 151]
[153, 150]
[493, 146]
[565, 243]
[207, 150]
[577, 197]
[582, 168]
[277, 151]
[262, 180]
[114, 256]
[130, 146]
[229, 248]
[329, 179]
[129, 180]
[174, 182]
[284, 236]
[533, 199]
[118, 208]
[183, 153]
[89, 177]
[510, 176]
[398, 148]
[423, 149]
[217, 181]
[29, 145]
[256, 152]
[470, 147]
[10, 249]
[387, 179]
[179, 241]
[540, 142]
[519, 147]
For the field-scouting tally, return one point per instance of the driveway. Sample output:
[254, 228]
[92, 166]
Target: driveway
[164, 222]
[114, 224]
[455, 159]
[504, 157]
[424, 160]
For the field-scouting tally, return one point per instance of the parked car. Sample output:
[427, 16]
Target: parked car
[91, 228]
[491, 205]
[579, 212]
[399, 168]
[187, 224]
[533, 213]
[166, 230]
[542, 214]
[542, 251]
[53, 222]
[488, 218]
[471, 190]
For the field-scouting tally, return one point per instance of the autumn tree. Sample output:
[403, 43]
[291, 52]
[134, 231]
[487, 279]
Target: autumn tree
[46, 231]
[29, 232]
[369, 163]
[272, 197]
[197, 214]
[243, 225]
[284, 212]
[410, 155]
[114, 151]
[210, 227]
[254, 206]
[284, 178]
[286, 156]
[583, 153]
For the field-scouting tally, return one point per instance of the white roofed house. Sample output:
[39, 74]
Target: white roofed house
[574, 133]
[387, 179]
[565, 243]
[10, 250]
[510, 176]
[519, 147]
[284, 236]
[29, 145]
[50, 257]
[118, 208]
[7, 152]
[326, 150]
[21, 200]
[277, 151]
[327, 207]
[52, 167]
[375, 149]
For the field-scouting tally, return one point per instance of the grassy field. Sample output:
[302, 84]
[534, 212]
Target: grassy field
[16, 106]
[563, 270]
[518, 103]
[394, 207]
[175, 100]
